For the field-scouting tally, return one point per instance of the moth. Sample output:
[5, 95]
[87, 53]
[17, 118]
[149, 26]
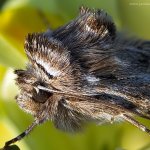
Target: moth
[84, 71]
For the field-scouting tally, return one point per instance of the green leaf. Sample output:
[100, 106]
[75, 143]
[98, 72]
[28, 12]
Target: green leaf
[134, 15]
[9, 56]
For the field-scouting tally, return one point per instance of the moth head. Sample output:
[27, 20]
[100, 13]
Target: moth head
[30, 98]
[47, 57]
[51, 61]
[56, 59]
[49, 67]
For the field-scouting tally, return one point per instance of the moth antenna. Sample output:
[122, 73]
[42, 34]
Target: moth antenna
[140, 114]
[136, 123]
[125, 117]
[87, 97]
[21, 136]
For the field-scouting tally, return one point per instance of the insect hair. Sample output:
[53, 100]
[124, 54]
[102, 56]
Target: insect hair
[84, 71]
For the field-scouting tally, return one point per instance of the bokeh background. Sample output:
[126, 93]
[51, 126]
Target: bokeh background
[20, 17]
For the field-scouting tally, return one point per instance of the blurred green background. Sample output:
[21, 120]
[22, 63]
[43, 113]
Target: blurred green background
[20, 17]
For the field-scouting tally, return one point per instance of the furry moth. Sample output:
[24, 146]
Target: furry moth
[83, 72]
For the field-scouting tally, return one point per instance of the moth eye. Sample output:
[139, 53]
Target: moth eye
[41, 96]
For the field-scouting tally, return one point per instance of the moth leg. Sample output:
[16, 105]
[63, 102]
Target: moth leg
[21, 136]
[136, 123]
